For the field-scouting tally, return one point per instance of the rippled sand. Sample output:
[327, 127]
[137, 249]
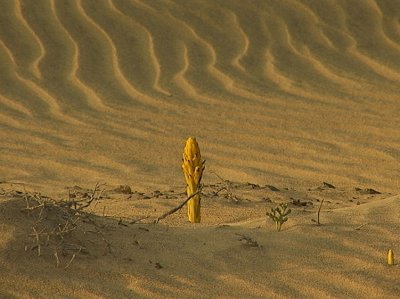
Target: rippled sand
[275, 91]
[290, 93]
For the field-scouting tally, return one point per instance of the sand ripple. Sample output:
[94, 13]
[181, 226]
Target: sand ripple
[286, 92]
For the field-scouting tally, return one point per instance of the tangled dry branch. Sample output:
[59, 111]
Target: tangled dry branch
[63, 226]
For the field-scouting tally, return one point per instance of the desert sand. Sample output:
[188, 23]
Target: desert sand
[291, 101]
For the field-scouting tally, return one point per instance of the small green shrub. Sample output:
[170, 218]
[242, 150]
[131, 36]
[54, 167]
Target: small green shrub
[279, 215]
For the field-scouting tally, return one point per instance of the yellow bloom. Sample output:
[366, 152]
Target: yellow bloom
[193, 168]
[390, 257]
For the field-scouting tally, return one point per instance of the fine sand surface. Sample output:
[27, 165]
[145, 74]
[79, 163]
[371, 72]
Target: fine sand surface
[281, 93]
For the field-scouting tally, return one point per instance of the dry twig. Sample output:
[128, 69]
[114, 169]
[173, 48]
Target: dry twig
[248, 241]
[319, 211]
[229, 194]
[177, 208]
[55, 221]
[72, 258]
[361, 226]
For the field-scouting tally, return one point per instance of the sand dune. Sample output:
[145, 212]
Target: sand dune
[246, 78]
[289, 93]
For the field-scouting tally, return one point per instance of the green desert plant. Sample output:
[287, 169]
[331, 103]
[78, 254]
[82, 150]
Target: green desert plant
[279, 215]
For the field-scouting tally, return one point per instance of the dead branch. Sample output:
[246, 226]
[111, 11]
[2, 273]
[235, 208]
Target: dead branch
[361, 226]
[139, 219]
[248, 241]
[92, 196]
[319, 211]
[55, 223]
[100, 233]
[57, 259]
[37, 239]
[178, 207]
[72, 258]
[229, 194]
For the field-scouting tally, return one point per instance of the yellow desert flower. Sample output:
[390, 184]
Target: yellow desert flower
[193, 168]
[390, 257]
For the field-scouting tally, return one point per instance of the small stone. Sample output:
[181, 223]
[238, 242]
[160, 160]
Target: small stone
[272, 188]
[329, 185]
[367, 191]
[371, 191]
[266, 199]
[124, 189]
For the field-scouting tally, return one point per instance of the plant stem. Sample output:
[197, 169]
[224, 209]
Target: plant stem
[319, 211]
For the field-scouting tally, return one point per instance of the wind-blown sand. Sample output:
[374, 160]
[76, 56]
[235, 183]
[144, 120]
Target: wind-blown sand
[288, 93]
